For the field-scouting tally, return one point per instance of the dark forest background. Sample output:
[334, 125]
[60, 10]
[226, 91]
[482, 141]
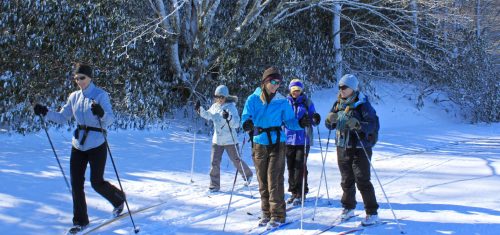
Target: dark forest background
[157, 57]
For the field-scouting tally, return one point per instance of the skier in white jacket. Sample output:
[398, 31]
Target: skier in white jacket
[223, 112]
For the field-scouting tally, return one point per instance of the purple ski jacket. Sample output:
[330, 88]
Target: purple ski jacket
[301, 106]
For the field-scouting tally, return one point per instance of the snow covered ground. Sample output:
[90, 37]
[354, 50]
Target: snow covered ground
[440, 175]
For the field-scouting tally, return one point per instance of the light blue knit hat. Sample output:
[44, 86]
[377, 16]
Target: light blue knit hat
[349, 80]
[222, 91]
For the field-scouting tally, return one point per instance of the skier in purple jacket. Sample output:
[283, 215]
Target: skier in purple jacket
[296, 158]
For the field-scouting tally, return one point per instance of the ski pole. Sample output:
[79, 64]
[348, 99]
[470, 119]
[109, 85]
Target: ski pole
[55, 154]
[306, 137]
[194, 148]
[230, 199]
[304, 162]
[323, 168]
[239, 157]
[376, 176]
[136, 229]
[322, 172]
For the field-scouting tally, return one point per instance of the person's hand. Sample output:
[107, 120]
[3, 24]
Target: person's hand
[225, 114]
[40, 110]
[97, 110]
[316, 119]
[248, 125]
[305, 121]
[197, 106]
[331, 120]
[353, 124]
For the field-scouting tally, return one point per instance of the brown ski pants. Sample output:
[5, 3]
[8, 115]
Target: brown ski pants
[270, 169]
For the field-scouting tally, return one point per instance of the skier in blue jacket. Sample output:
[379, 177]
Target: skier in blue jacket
[264, 113]
[87, 105]
[296, 152]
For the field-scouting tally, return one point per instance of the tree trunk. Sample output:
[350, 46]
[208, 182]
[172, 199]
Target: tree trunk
[336, 41]
[414, 10]
[173, 46]
[478, 19]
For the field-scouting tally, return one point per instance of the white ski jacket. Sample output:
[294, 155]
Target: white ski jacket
[222, 136]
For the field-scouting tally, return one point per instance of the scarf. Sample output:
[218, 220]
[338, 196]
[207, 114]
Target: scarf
[343, 107]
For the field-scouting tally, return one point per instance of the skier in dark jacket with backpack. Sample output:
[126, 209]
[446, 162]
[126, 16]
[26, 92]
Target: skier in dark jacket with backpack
[353, 116]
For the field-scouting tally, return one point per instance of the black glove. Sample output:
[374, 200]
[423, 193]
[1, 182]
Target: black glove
[40, 110]
[353, 123]
[248, 125]
[305, 121]
[97, 110]
[225, 114]
[331, 120]
[316, 119]
[197, 106]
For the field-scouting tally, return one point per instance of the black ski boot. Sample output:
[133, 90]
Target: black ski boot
[77, 228]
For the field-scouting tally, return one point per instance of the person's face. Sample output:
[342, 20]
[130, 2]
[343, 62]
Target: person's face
[295, 93]
[220, 99]
[272, 86]
[345, 91]
[82, 80]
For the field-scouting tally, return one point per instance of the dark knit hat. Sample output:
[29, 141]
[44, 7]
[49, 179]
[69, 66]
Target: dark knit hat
[270, 74]
[83, 69]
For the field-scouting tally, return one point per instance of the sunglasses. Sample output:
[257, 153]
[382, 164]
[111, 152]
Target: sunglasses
[275, 82]
[81, 78]
[343, 87]
[219, 97]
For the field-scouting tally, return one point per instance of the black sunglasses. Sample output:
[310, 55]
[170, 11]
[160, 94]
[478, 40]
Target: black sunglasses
[219, 97]
[343, 87]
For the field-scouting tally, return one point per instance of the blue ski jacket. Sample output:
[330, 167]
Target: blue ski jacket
[267, 115]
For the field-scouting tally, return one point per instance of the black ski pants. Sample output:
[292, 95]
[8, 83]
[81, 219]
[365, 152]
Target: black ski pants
[355, 170]
[96, 157]
[295, 165]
